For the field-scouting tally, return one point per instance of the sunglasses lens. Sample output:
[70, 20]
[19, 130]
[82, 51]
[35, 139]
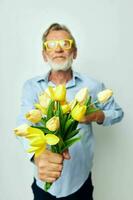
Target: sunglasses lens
[65, 44]
[51, 44]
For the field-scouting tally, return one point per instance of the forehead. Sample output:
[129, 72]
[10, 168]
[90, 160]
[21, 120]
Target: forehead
[58, 35]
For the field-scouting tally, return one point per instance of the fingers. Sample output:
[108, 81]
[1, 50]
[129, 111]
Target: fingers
[88, 118]
[54, 167]
[49, 166]
[49, 176]
[66, 155]
[47, 179]
[52, 157]
[55, 158]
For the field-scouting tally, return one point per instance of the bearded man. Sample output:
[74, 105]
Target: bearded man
[69, 172]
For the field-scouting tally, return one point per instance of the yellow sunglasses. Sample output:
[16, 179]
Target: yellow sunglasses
[51, 45]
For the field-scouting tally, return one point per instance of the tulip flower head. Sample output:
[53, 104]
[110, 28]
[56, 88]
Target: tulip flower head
[34, 116]
[73, 104]
[21, 130]
[82, 95]
[104, 95]
[53, 123]
[44, 99]
[66, 108]
[50, 91]
[78, 112]
[60, 93]
[39, 141]
[41, 108]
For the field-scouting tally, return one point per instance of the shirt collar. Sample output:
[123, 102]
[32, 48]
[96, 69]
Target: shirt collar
[70, 83]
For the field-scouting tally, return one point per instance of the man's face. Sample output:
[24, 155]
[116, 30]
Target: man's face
[59, 57]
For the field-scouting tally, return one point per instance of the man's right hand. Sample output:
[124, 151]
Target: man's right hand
[50, 165]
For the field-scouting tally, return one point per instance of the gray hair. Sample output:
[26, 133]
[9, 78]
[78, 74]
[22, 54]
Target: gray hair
[57, 27]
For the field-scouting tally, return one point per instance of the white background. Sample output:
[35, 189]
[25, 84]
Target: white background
[103, 31]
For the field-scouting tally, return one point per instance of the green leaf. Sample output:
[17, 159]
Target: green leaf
[70, 142]
[54, 148]
[43, 121]
[64, 119]
[50, 112]
[47, 186]
[88, 101]
[75, 124]
[72, 134]
[68, 124]
[59, 113]
[91, 110]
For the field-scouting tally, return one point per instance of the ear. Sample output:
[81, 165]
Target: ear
[75, 53]
[44, 55]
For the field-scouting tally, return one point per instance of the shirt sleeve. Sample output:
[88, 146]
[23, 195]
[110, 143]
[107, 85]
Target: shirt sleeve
[112, 111]
[28, 100]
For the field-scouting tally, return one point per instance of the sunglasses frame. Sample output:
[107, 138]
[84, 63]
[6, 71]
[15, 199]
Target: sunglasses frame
[58, 42]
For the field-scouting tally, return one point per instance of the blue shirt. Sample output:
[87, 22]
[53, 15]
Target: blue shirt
[76, 170]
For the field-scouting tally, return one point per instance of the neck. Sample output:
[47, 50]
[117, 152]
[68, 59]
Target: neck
[60, 77]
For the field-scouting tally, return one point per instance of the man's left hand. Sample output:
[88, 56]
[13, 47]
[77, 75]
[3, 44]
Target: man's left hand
[97, 116]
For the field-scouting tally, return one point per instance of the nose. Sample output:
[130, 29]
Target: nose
[59, 48]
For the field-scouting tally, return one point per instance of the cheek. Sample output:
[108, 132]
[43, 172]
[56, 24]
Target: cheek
[49, 54]
[68, 53]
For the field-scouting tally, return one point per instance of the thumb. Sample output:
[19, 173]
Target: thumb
[66, 154]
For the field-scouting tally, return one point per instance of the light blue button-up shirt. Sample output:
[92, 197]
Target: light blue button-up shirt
[76, 170]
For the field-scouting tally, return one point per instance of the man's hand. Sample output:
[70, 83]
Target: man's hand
[97, 116]
[50, 165]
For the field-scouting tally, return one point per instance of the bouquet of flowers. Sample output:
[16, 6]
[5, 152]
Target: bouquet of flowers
[55, 120]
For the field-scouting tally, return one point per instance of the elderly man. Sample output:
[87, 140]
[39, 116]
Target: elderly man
[71, 171]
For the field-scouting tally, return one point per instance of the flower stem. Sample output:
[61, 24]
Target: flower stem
[47, 186]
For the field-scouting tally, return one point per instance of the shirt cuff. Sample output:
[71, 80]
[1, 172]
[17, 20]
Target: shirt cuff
[108, 116]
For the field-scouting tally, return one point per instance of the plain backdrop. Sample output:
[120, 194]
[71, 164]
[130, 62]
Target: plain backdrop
[103, 31]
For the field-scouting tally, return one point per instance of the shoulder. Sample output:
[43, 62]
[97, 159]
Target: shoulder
[33, 84]
[88, 80]
[34, 79]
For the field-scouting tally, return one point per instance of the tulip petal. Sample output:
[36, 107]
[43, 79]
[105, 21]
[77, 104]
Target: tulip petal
[21, 130]
[60, 93]
[39, 151]
[35, 131]
[51, 91]
[30, 136]
[41, 108]
[51, 139]
[38, 141]
[32, 149]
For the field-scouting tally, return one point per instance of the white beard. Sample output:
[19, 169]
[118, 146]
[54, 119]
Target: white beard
[61, 66]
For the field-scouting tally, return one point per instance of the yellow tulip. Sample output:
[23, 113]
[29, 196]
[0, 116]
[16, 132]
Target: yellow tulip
[34, 116]
[38, 140]
[73, 104]
[33, 133]
[104, 95]
[78, 112]
[53, 123]
[44, 99]
[41, 108]
[51, 92]
[57, 93]
[66, 108]
[82, 95]
[60, 93]
[21, 130]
